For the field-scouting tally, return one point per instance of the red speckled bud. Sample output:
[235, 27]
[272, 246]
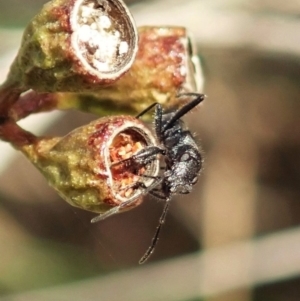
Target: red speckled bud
[79, 167]
[165, 66]
[75, 45]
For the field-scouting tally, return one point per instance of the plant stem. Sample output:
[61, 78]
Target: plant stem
[11, 132]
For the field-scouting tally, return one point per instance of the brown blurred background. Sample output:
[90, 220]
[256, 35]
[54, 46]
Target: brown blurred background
[236, 237]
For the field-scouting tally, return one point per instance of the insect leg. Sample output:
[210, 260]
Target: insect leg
[117, 209]
[103, 216]
[156, 235]
[157, 118]
[157, 194]
[114, 210]
[143, 157]
[158, 122]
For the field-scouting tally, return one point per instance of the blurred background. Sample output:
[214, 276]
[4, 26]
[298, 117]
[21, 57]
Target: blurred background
[236, 237]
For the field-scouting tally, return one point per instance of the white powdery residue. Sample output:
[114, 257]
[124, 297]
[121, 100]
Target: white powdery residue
[102, 66]
[86, 11]
[123, 47]
[92, 38]
[183, 71]
[102, 42]
[94, 26]
[84, 33]
[107, 47]
[91, 5]
[104, 22]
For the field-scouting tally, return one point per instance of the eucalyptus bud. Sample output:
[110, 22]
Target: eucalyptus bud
[75, 45]
[81, 166]
[166, 64]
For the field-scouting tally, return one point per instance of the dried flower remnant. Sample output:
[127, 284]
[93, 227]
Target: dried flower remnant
[72, 45]
[79, 165]
[124, 146]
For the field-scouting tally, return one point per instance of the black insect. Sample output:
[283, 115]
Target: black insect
[181, 156]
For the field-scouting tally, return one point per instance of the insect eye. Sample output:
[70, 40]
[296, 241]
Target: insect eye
[173, 189]
[194, 181]
[185, 157]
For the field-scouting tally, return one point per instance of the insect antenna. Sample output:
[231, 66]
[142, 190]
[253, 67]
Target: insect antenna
[146, 110]
[185, 109]
[156, 235]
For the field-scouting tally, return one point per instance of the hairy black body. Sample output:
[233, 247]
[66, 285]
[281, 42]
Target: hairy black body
[181, 156]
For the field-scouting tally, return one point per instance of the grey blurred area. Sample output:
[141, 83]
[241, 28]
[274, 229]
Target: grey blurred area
[236, 237]
[16, 13]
